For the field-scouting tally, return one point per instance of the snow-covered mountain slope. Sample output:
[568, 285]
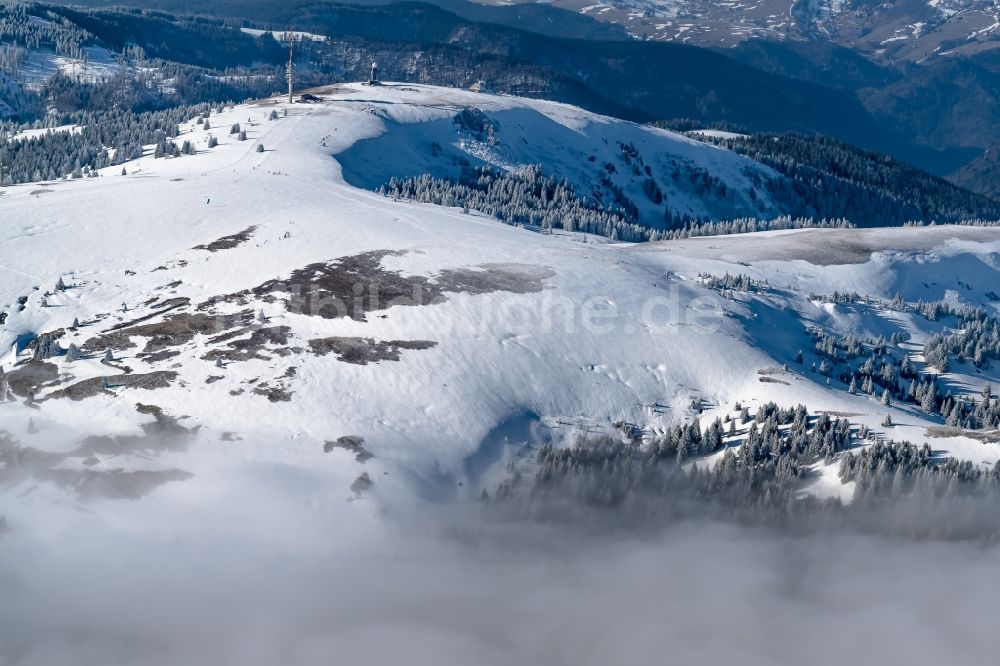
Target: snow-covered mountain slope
[457, 130]
[269, 322]
[41, 64]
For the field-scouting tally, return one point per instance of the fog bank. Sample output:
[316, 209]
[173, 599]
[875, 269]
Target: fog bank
[457, 590]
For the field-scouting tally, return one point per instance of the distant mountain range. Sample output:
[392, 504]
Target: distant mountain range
[938, 115]
[889, 30]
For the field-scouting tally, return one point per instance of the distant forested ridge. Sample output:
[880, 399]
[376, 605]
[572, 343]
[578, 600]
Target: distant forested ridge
[938, 116]
[423, 43]
[154, 60]
[829, 178]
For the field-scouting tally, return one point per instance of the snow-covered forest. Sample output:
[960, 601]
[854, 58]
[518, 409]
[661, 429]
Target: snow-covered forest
[750, 469]
[843, 181]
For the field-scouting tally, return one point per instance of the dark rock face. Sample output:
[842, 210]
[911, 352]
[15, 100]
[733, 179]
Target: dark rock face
[362, 351]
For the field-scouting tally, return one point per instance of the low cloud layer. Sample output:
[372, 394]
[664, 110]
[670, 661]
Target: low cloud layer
[458, 590]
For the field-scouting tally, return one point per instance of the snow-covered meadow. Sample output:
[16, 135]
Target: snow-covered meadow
[293, 357]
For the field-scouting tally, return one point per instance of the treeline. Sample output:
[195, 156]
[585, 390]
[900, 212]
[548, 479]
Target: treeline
[975, 222]
[101, 140]
[158, 85]
[34, 26]
[11, 59]
[872, 366]
[760, 471]
[748, 225]
[152, 86]
[829, 178]
[877, 367]
[194, 40]
[976, 340]
[15, 100]
[757, 477]
[522, 197]
[163, 61]
[902, 470]
[528, 197]
[730, 283]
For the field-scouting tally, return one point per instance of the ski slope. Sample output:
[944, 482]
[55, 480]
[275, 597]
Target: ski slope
[438, 337]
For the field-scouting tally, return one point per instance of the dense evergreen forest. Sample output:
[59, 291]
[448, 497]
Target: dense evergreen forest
[829, 178]
[103, 139]
[752, 469]
[530, 198]
[533, 198]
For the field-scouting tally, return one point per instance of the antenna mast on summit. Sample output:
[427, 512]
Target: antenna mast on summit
[290, 69]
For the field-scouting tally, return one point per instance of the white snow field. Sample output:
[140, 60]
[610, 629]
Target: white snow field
[295, 359]
[286, 35]
[41, 64]
[464, 333]
[586, 150]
